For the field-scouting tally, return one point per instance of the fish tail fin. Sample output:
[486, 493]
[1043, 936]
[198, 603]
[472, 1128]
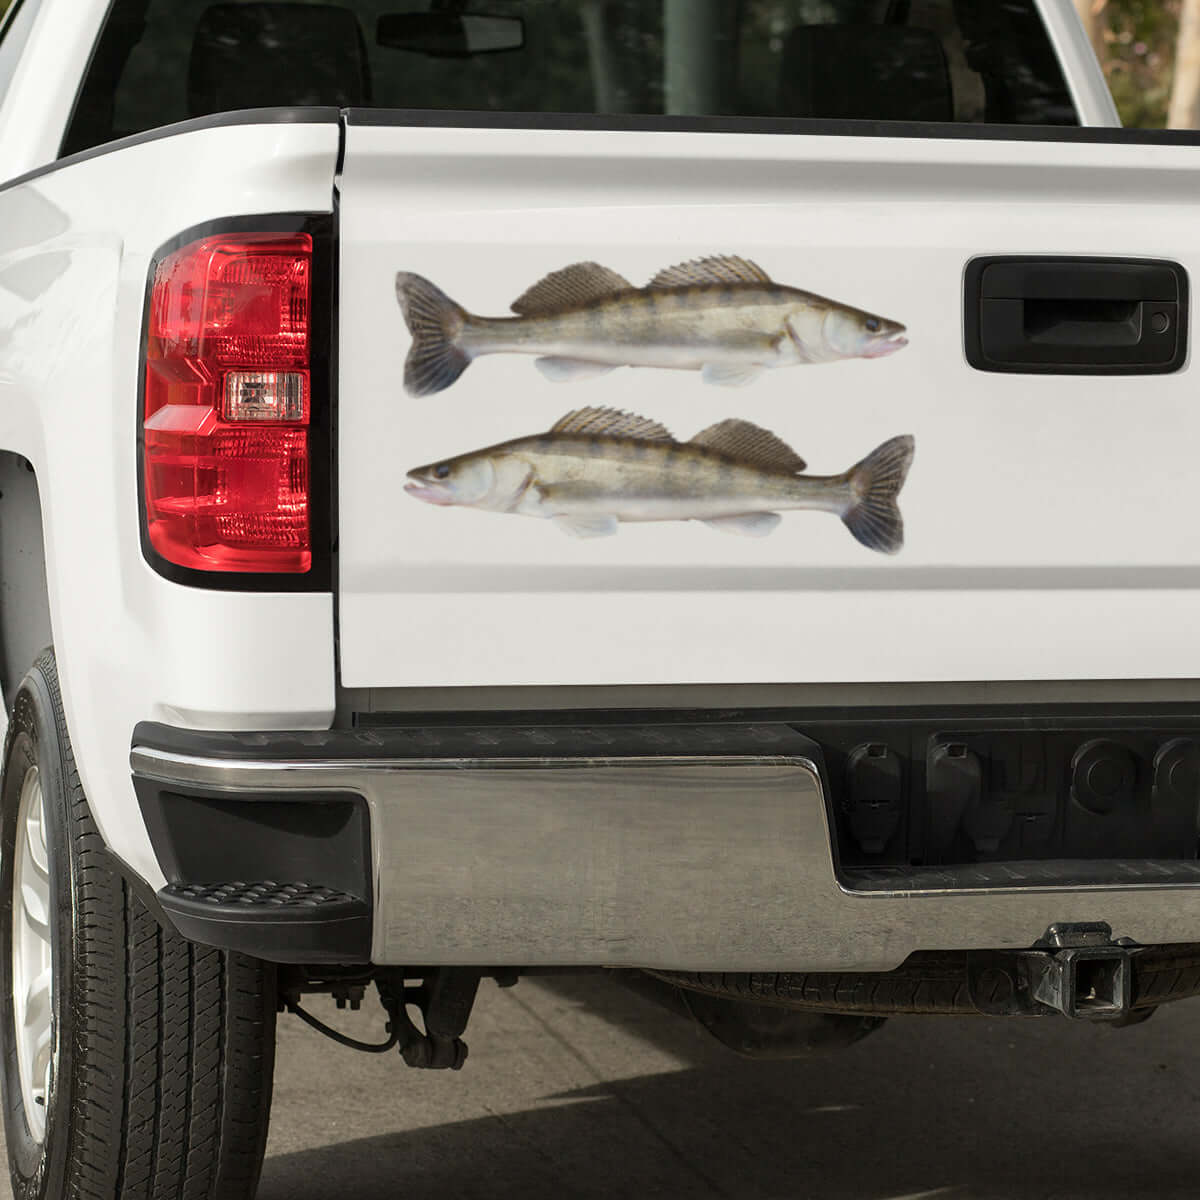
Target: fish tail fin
[874, 516]
[435, 359]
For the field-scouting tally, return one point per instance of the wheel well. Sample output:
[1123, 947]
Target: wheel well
[24, 601]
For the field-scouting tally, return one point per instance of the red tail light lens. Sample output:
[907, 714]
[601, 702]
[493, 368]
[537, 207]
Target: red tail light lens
[227, 405]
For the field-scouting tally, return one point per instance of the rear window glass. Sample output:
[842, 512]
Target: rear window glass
[160, 61]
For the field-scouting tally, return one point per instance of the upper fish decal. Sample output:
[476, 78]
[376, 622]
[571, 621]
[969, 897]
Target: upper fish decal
[599, 467]
[721, 316]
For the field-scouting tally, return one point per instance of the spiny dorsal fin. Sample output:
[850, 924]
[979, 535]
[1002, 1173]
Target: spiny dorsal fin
[611, 422]
[572, 287]
[750, 444]
[722, 268]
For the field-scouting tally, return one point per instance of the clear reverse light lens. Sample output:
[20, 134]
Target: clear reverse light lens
[264, 396]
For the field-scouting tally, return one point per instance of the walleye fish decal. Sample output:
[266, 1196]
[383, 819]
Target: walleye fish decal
[723, 317]
[599, 467]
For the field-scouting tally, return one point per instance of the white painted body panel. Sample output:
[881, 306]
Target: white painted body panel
[1048, 534]
[75, 249]
[42, 94]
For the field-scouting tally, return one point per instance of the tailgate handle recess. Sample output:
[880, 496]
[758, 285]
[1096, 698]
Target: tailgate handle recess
[1076, 316]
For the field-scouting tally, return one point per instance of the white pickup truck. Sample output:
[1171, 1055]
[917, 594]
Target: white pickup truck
[409, 574]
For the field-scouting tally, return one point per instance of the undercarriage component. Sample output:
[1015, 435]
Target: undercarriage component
[751, 1028]
[341, 1038]
[1081, 975]
[347, 987]
[444, 996]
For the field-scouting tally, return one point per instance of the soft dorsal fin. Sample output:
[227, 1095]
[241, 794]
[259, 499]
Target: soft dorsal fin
[611, 422]
[750, 444]
[723, 268]
[572, 287]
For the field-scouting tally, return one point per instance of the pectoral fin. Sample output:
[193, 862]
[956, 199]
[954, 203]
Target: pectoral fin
[587, 527]
[571, 370]
[755, 525]
[729, 374]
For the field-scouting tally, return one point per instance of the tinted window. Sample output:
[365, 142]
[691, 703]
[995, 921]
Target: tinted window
[940, 60]
[14, 33]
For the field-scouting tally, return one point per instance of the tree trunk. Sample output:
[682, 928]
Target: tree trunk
[1091, 13]
[1185, 92]
[691, 39]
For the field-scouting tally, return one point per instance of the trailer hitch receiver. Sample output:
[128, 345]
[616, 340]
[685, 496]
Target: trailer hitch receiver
[1086, 976]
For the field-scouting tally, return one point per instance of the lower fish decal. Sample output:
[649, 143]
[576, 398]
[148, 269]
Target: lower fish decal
[722, 316]
[599, 467]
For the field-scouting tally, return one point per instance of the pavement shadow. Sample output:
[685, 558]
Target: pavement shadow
[967, 1109]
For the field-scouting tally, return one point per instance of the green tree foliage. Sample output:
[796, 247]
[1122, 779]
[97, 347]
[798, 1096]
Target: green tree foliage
[1139, 57]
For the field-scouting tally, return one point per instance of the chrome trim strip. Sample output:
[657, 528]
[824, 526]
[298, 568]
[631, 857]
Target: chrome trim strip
[359, 774]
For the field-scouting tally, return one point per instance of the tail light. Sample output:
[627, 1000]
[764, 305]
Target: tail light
[228, 400]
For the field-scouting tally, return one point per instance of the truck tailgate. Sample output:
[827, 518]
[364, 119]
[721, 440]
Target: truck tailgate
[1049, 518]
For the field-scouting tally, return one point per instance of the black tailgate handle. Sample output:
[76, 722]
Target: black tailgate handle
[1076, 316]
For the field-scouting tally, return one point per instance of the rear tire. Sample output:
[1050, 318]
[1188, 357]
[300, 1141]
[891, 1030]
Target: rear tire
[161, 1051]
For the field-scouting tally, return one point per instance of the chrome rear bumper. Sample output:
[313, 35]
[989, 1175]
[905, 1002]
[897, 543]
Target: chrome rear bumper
[680, 861]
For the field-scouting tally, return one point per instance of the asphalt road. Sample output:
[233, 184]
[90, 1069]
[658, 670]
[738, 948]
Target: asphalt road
[578, 1088]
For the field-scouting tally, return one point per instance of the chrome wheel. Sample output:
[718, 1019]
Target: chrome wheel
[32, 965]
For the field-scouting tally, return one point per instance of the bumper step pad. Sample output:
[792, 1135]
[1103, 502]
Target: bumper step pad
[267, 919]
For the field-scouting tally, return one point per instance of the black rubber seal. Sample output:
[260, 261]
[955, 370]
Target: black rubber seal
[425, 118]
[486, 738]
[248, 116]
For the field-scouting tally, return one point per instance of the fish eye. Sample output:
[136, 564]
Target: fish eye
[874, 325]
[441, 471]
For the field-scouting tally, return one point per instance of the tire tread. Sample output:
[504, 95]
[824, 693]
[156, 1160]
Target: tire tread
[173, 1042]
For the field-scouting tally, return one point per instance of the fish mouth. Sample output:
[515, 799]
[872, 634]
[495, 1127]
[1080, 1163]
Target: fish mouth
[882, 347]
[431, 493]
